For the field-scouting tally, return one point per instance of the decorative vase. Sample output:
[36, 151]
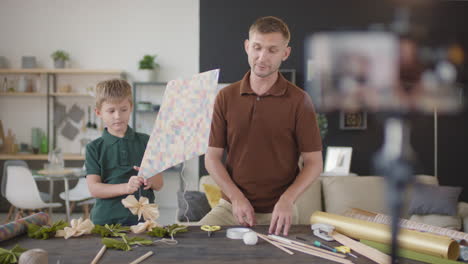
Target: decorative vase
[146, 75]
[59, 64]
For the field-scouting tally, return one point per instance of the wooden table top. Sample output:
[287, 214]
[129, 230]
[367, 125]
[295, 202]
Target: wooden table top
[193, 246]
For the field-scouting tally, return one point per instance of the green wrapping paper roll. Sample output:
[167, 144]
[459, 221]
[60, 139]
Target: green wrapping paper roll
[409, 254]
[20, 226]
[434, 245]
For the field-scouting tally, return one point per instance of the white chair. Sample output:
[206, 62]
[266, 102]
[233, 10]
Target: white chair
[80, 193]
[21, 163]
[22, 192]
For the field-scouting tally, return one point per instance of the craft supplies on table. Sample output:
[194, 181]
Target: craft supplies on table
[20, 226]
[210, 229]
[430, 244]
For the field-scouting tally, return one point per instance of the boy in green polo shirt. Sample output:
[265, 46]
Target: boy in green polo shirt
[111, 159]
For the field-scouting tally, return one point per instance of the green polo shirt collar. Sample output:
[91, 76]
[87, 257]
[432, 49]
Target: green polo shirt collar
[111, 139]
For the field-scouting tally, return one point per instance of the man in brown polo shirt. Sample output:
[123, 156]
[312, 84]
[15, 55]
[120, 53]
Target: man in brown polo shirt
[265, 123]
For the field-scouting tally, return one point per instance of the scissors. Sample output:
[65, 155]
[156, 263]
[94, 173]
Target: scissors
[345, 250]
[210, 228]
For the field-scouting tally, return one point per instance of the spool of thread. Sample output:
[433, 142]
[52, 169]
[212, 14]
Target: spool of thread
[236, 232]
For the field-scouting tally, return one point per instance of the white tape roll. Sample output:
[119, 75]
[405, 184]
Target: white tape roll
[237, 232]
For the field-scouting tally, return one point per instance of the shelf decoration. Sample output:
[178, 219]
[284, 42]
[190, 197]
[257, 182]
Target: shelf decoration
[182, 127]
[353, 120]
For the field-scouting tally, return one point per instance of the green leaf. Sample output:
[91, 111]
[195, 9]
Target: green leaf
[167, 231]
[11, 256]
[139, 241]
[45, 232]
[158, 232]
[126, 242]
[114, 243]
[110, 230]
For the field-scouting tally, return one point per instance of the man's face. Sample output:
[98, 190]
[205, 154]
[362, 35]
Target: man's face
[266, 52]
[115, 115]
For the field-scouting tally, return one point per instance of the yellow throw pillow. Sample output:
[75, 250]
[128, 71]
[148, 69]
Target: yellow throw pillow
[213, 194]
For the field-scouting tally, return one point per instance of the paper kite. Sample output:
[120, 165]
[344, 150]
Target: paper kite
[182, 127]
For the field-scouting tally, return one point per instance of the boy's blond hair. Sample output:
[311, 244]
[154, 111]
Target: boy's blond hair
[113, 91]
[270, 24]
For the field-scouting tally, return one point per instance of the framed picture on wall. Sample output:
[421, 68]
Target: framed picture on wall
[353, 120]
[338, 161]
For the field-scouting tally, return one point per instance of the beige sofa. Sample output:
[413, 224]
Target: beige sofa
[337, 194]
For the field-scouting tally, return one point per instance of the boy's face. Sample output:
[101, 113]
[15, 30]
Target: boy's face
[115, 116]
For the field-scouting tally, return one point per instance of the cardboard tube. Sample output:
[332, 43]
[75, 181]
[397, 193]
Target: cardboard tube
[434, 245]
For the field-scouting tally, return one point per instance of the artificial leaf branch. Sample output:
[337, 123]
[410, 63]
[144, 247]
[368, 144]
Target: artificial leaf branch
[167, 231]
[126, 243]
[110, 230]
[10, 256]
[45, 232]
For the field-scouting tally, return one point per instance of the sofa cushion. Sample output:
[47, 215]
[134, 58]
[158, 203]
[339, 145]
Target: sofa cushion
[213, 194]
[309, 202]
[433, 199]
[341, 193]
[197, 203]
[446, 221]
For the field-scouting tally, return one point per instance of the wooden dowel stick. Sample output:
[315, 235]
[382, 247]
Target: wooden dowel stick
[362, 249]
[99, 255]
[307, 246]
[140, 259]
[315, 253]
[274, 244]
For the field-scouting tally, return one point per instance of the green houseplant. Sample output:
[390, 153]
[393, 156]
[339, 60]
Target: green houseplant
[60, 57]
[148, 62]
[322, 124]
[147, 67]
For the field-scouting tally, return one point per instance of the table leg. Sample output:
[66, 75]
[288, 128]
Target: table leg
[51, 193]
[67, 198]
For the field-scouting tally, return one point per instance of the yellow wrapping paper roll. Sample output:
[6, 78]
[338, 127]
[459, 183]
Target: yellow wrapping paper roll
[426, 243]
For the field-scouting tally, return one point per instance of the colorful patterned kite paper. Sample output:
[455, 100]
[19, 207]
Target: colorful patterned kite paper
[182, 127]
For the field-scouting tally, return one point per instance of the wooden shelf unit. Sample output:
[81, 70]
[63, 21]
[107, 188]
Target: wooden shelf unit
[52, 96]
[28, 156]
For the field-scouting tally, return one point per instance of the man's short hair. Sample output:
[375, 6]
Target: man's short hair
[270, 24]
[113, 91]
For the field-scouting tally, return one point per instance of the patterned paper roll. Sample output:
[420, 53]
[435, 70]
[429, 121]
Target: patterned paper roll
[430, 244]
[20, 226]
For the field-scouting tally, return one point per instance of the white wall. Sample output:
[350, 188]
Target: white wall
[104, 34]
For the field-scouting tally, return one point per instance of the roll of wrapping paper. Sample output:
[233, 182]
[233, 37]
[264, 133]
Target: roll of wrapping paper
[20, 226]
[409, 254]
[434, 245]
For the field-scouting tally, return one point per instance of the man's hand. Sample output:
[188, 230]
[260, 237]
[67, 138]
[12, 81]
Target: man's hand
[281, 217]
[243, 211]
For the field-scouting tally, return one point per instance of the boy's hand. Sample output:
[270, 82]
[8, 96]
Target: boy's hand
[134, 184]
[145, 181]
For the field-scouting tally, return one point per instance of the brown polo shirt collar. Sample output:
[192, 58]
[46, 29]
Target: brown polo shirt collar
[278, 89]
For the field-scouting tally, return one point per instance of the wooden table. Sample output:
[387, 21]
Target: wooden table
[194, 247]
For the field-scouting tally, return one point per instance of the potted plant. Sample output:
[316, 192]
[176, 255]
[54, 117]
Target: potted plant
[147, 65]
[60, 57]
[322, 124]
